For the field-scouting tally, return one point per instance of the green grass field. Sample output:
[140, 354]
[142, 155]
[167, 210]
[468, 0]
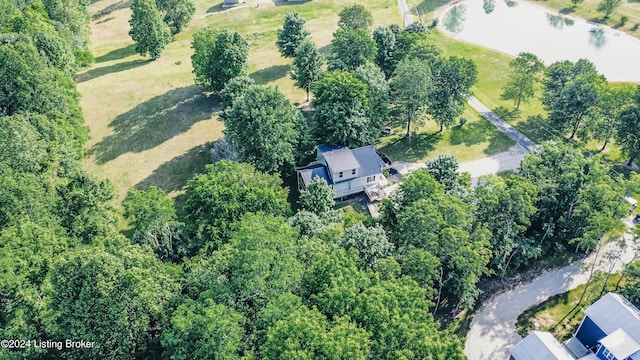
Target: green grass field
[475, 139]
[150, 125]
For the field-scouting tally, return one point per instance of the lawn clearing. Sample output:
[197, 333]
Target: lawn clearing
[150, 125]
[474, 140]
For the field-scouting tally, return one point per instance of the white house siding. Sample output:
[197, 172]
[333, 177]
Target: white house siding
[357, 185]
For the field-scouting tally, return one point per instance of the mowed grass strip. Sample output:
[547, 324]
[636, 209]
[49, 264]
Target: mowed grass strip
[150, 125]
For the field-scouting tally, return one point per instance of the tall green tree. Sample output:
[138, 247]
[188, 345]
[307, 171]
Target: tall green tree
[444, 169]
[222, 195]
[355, 17]
[307, 65]
[395, 312]
[386, 38]
[417, 45]
[27, 253]
[218, 56]
[525, 70]
[608, 7]
[606, 115]
[628, 130]
[268, 129]
[317, 197]
[353, 47]
[148, 30]
[154, 221]
[235, 89]
[571, 92]
[378, 94]
[452, 79]
[341, 105]
[441, 224]
[291, 35]
[177, 13]
[411, 88]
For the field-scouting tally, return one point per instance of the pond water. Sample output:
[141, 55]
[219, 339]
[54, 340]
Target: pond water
[514, 27]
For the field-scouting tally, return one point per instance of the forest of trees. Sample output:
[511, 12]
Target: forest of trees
[238, 271]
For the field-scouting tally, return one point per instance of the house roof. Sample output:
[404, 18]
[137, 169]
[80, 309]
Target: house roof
[338, 158]
[620, 344]
[308, 173]
[370, 161]
[576, 348]
[540, 346]
[612, 312]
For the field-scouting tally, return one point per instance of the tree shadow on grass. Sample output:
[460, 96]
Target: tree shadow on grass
[155, 121]
[411, 149]
[174, 174]
[270, 74]
[289, 3]
[537, 129]
[111, 8]
[97, 72]
[117, 54]
[479, 132]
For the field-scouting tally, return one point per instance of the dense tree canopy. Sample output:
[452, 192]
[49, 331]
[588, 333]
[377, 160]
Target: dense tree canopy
[506, 206]
[154, 221]
[116, 298]
[605, 118]
[224, 193]
[421, 216]
[628, 129]
[386, 38]
[218, 56]
[577, 198]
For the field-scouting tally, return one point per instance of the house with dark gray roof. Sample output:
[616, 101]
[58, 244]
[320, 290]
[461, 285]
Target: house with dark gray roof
[346, 171]
[610, 330]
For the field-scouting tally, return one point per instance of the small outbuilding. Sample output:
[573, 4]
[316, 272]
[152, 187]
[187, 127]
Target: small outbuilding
[540, 346]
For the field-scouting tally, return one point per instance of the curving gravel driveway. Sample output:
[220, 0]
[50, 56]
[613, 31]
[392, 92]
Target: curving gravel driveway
[493, 329]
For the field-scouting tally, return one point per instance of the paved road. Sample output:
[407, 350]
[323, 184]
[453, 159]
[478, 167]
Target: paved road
[493, 330]
[509, 130]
